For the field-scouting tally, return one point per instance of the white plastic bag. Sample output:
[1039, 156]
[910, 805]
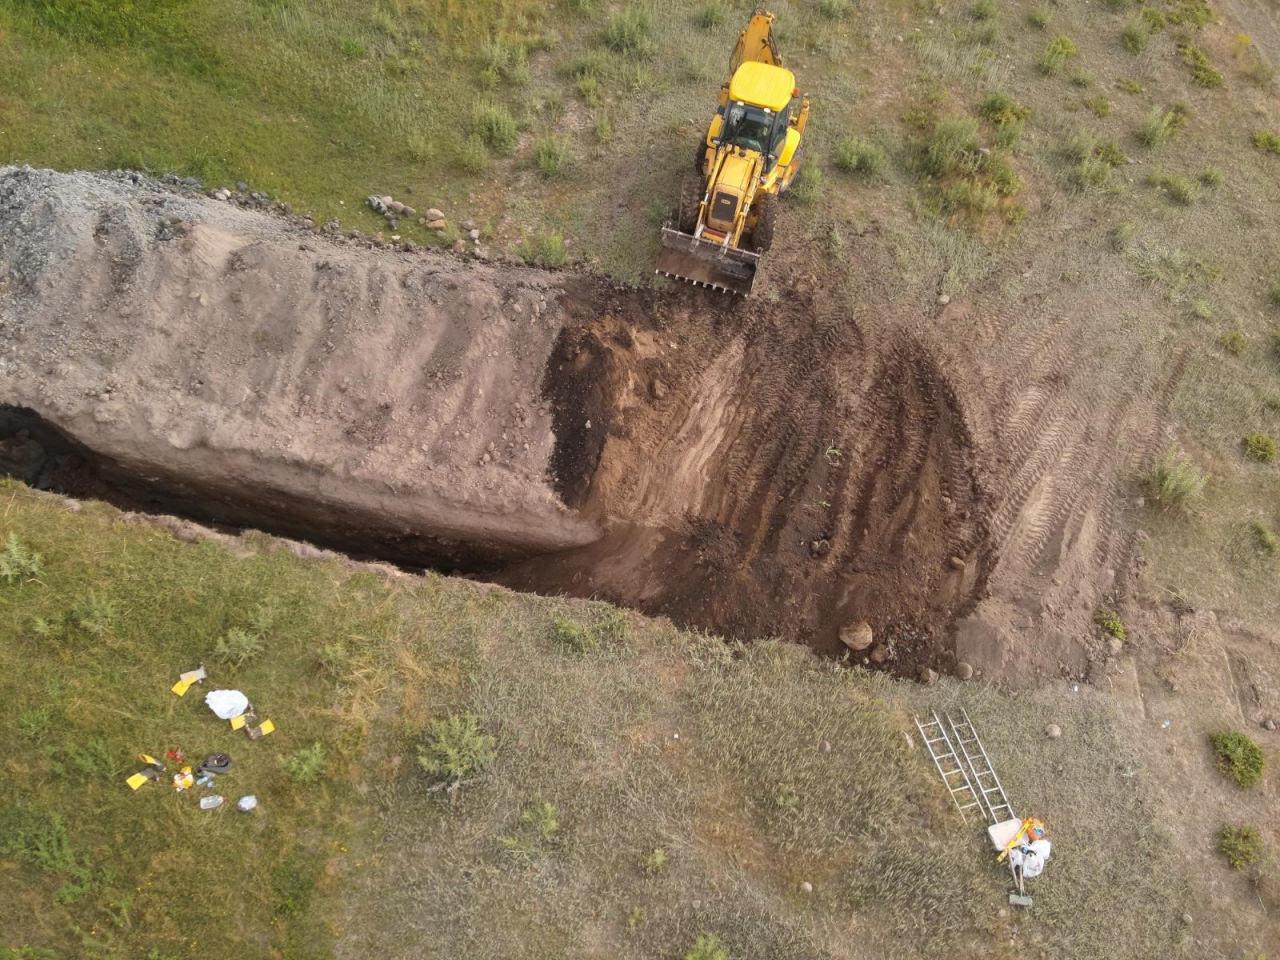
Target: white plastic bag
[227, 704]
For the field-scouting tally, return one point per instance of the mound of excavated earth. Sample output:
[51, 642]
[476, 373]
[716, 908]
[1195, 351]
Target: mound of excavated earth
[242, 364]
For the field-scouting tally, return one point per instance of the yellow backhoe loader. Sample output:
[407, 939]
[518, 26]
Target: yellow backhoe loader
[748, 158]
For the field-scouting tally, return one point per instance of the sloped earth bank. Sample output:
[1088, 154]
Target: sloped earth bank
[787, 465]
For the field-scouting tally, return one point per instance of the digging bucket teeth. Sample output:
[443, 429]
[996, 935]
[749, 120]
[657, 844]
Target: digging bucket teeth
[706, 264]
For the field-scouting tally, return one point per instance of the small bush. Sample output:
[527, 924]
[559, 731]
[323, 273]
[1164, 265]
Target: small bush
[1099, 106]
[630, 32]
[1134, 36]
[1056, 54]
[501, 63]
[861, 157]
[1273, 294]
[1241, 845]
[1089, 172]
[308, 764]
[1161, 125]
[456, 749]
[1239, 758]
[1211, 177]
[833, 9]
[603, 128]
[544, 250]
[1001, 110]
[1176, 483]
[1178, 189]
[1039, 17]
[236, 646]
[1129, 85]
[655, 861]
[1259, 447]
[543, 819]
[1233, 342]
[707, 947]
[1122, 236]
[472, 155]
[549, 156]
[352, 49]
[494, 124]
[983, 10]
[952, 148]
[1202, 71]
[572, 635]
[806, 188]
[1268, 141]
[589, 90]
[1202, 309]
[1109, 622]
[1264, 538]
[711, 15]
[18, 562]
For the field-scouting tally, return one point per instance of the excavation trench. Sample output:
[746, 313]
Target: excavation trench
[758, 468]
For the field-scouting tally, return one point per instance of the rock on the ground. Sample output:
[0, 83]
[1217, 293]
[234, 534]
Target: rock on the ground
[1053, 731]
[857, 636]
[928, 675]
[964, 671]
[1268, 724]
[806, 887]
[880, 653]
[292, 383]
[434, 213]
[1115, 646]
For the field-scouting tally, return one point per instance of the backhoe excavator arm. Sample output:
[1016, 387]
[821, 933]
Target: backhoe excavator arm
[756, 43]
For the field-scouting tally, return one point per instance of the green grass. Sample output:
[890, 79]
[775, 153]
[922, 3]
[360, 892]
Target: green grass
[544, 250]
[630, 32]
[1109, 623]
[1039, 17]
[1259, 447]
[1175, 483]
[1202, 71]
[1056, 54]
[1267, 141]
[550, 155]
[1239, 758]
[1176, 188]
[1160, 126]
[1134, 36]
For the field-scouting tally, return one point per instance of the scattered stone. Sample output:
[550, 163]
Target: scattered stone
[857, 636]
[957, 563]
[1053, 731]
[824, 746]
[474, 234]
[1116, 646]
[434, 214]
[944, 299]
[242, 186]
[964, 671]
[928, 675]
[396, 207]
[459, 246]
[820, 547]
[880, 653]
[658, 389]
[222, 194]
[468, 225]
[436, 224]
[1002, 912]
[806, 887]
[1187, 918]
[1268, 724]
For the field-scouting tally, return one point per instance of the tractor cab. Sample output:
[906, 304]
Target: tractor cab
[756, 114]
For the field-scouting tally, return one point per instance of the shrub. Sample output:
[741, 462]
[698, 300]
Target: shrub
[1099, 106]
[630, 32]
[1268, 141]
[572, 635]
[1238, 757]
[952, 147]
[1233, 342]
[833, 9]
[455, 749]
[236, 646]
[983, 10]
[589, 90]
[18, 562]
[1161, 125]
[1202, 309]
[1178, 189]
[494, 125]
[861, 157]
[1056, 54]
[472, 155]
[500, 62]
[1122, 235]
[1264, 538]
[707, 947]
[1089, 172]
[1211, 177]
[1134, 36]
[1175, 483]
[542, 818]
[1109, 622]
[1129, 85]
[655, 861]
[1202, 71]
[1273, 294]
[1259, 447]
[352, 49]
[549, 155]
[308, 764]
[1039, 17]
[1001, 110]
[544, 250]
[1241, 845]
[806, 188]
[711, 15]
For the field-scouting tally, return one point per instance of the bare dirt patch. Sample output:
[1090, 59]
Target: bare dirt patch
[783, 466]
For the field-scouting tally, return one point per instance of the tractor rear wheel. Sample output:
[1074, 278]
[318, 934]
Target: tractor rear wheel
[766, 217]
[690, 199]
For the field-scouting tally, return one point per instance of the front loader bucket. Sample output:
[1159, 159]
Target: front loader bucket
[706, 264]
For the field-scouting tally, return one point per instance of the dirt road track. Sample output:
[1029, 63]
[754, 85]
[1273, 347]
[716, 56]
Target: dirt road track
[783, 466]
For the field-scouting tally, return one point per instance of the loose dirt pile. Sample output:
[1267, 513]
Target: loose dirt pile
[790, 465]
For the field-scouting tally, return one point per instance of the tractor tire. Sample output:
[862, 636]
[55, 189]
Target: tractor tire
[691, 189]
[766, 218]
[700, 159]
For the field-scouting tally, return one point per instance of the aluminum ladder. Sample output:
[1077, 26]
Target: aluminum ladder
[951, 768]
[981, 774]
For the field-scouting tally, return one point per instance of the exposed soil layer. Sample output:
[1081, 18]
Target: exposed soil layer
[783, 466]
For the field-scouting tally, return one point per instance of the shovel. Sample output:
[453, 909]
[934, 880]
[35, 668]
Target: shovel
[1018, 898]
